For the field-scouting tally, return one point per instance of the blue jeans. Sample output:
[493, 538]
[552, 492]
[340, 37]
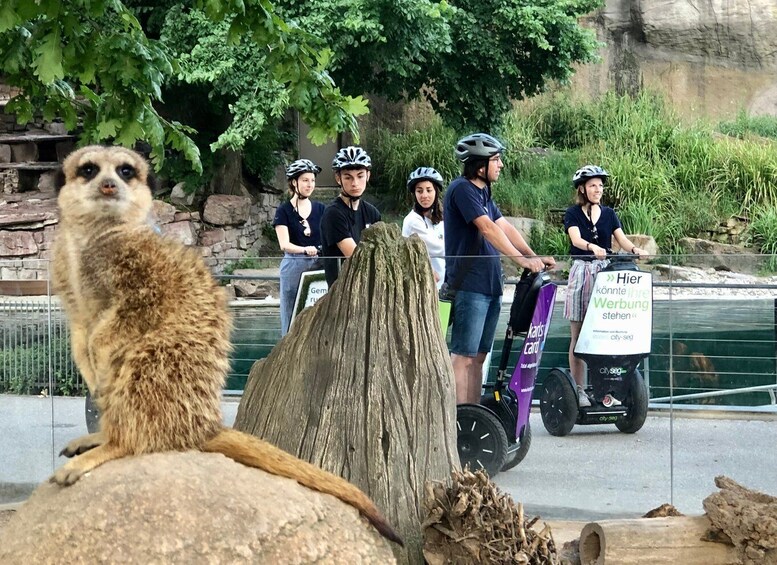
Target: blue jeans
[474, 322]
[292, 267]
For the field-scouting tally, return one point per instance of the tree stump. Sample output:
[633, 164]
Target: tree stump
[362, 385]
[747, 517]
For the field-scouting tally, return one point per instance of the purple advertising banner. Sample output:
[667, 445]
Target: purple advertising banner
[525, 373]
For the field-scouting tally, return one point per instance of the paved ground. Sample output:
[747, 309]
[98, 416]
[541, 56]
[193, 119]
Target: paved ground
[594, 473]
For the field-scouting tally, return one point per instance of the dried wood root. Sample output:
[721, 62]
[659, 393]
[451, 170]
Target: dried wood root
[472, 521]
[747, 517]
[663, 511]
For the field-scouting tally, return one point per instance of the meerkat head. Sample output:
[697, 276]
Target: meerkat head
[106, 183]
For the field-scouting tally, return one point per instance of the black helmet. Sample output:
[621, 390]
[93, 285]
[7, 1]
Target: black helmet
[301, 166]
[478, 146]
[424, 173]
[584, 174]
[351, 158]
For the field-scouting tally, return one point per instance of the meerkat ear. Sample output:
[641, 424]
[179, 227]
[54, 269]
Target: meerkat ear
[152, 182]
[59, 179]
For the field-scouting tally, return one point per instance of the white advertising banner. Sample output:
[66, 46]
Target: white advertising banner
[619, 319]
[312, 286]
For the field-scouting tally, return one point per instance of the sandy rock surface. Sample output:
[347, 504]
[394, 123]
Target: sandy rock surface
[186, 508]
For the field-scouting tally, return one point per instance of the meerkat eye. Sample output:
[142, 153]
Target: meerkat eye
[126, 172]
[88, 171]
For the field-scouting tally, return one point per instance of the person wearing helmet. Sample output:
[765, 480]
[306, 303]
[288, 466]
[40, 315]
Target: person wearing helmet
[591, 227]
[345, 218]
[425, 219]
[475, 234]
[297, 224]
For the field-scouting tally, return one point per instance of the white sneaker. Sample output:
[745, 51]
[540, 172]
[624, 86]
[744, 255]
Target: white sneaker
[582, 398]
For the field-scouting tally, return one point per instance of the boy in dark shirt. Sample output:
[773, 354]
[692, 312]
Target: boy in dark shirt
[346, 217]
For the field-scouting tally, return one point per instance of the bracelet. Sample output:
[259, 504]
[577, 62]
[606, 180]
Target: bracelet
[587, 246]
[634, 250]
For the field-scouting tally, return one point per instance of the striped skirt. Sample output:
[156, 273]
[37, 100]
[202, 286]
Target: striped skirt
[580, 287]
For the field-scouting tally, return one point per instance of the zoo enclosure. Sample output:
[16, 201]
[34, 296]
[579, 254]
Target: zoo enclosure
[706, 350]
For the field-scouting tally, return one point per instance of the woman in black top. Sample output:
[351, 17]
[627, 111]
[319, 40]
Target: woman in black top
[591, 228]
[297, 225]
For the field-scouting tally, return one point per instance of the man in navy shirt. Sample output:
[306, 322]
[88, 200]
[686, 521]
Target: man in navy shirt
[346, 217]
[475, 235]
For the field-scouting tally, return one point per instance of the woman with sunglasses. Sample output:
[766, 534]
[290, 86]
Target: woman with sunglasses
[297, 227]
[591, 228]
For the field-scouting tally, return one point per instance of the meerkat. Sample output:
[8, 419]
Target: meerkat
[150, 331]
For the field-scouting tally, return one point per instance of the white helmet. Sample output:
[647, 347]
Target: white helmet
[587, 172]
[301, 166]
[424, 173]
[351, 158]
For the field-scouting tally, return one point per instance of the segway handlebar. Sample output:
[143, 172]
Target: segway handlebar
[615, 257]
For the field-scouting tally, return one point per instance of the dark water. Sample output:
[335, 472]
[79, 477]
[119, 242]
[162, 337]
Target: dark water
[709, 345]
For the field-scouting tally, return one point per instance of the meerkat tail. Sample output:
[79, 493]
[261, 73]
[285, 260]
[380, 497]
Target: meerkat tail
[254, 452]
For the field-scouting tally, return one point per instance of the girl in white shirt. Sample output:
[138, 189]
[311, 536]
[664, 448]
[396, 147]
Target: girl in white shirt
[425, 184]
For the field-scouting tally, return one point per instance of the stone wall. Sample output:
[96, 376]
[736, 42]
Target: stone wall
[710, 58]
[227, 229]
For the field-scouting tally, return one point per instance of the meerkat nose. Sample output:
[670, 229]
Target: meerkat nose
[108, 187]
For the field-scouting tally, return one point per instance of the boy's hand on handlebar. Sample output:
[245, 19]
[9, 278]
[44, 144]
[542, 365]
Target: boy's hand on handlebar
[641, 252]
[534, 264]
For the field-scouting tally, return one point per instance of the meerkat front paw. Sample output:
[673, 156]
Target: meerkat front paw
[67, 475]
[83, 444]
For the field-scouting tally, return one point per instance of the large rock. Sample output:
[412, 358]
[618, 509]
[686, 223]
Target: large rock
[187, 508]
[226, 210]
[17, 244]
[720, 256]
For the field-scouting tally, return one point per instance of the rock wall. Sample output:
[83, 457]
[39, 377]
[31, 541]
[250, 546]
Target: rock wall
[710, 57]
[229, 228]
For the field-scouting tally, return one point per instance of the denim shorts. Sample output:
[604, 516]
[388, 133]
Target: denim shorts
[474, 322]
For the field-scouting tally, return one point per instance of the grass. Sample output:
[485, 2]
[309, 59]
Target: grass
[668, 179]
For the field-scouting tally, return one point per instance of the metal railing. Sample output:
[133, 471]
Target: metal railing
[704, 349]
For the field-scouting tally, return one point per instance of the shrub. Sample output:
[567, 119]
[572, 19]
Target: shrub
[396, 155]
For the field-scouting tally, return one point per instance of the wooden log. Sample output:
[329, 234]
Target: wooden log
[670, 540]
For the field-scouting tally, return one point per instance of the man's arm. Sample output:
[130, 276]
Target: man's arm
[496, 237]
[346, 246]
[517, 240]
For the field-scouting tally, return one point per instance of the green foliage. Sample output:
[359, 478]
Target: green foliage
[377, 46]
[25, 369]
[763, 230]
[549, 241]
[395, 156]
[92, 58]
[533, 185]
[745, 126]
[505, 51]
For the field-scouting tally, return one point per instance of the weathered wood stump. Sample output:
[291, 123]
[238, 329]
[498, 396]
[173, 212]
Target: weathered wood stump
[747, 517]
[362, 385]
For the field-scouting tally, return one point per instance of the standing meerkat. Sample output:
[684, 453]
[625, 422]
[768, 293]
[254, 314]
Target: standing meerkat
[150, 332]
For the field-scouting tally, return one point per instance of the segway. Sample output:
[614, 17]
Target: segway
[495, 435]
[614, 338]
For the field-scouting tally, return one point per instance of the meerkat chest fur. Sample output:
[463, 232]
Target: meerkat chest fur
[155, 325]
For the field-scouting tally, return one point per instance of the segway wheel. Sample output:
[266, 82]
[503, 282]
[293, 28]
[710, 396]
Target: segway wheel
[636, 402]
[482, 441]
[558, 404]
[92, 414]
[517, 456]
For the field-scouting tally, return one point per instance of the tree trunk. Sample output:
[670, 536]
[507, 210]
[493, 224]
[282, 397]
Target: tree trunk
[670, 540]
[362, 385]
[228, 178]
